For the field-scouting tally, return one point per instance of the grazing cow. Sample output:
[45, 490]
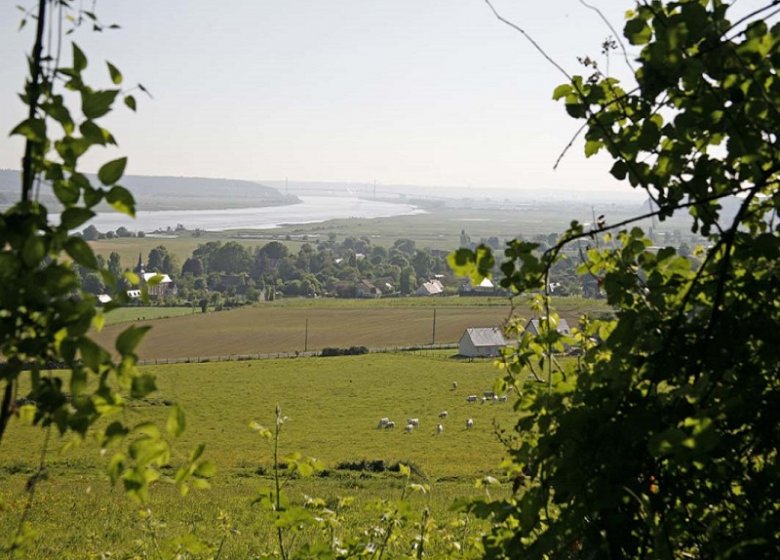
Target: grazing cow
[471, 398]
[409, 428]
[413, 422]
[439, 428]
[454, 385]
[484, 400]
[469, 424]
[489, 394]
[443, 414]
[383, 422]
[390, 425]
[502, 398]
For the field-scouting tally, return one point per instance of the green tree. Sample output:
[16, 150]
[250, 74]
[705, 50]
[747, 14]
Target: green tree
[159, 260]
[193, 266]
[407, 281]
[663, 441]
[90, 233]
[230, 258]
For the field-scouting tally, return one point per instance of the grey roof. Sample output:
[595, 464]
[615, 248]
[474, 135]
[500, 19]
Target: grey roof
[491, 336]
[563, 326]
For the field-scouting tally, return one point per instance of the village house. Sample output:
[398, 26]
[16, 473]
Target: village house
[481, 342]
[430, 288]
[157, 284]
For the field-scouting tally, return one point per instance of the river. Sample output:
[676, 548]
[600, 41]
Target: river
[311, 209]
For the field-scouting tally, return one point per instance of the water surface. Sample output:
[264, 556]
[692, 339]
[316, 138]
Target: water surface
[311, 209]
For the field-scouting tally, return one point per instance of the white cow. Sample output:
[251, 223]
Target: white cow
[454, 385]
[390, 425]
[469, 423]
[413, 422]
[443, 414]
[409, 428]
[471, 398]
[439, 428]
[383, 422]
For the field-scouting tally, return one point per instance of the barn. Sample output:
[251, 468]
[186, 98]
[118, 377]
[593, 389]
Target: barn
[534, 327]
[481, 342]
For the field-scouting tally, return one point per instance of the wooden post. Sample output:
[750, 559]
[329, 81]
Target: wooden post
[433, 337]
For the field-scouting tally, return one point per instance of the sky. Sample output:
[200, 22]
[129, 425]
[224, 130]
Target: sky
[420, 92]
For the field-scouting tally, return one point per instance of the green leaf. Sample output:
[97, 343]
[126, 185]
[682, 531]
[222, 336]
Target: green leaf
[206, 469]
[637, 31]
[72, 218]
[95, 104]
[32, 129]
[142, 385]
[129, 338]
[116, 75]
[81, 252]
[176, 421]
[130, 101]
[619, 170]
[121, 199]
[562, 91]
[112, 171]
[94, 133]
[33, 251]
[592, 147]
[79, 59]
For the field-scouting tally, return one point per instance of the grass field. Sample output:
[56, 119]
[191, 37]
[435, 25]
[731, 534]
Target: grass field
[333, 405]
[136, 314]
[281, 326]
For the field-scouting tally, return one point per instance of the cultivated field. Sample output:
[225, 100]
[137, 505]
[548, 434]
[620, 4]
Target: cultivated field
[333, 405]
[142, 314]
[281, 326]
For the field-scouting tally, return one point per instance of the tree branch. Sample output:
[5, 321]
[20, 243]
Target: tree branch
[33, 92]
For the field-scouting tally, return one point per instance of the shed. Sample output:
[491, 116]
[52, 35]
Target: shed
[481, 342]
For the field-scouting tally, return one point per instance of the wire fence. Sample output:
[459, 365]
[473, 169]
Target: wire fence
[425, 349]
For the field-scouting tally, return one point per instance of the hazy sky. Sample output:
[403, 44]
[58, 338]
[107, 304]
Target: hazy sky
[429, 92]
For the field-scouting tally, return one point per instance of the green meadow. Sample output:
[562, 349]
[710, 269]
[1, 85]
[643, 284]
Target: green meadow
[332, 407]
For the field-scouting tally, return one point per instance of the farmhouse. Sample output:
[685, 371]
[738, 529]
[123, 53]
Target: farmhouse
[481, 342]
[431, 288]
[365, 289]
[534, 327]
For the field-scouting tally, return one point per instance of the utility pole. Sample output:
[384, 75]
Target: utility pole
[306, 336]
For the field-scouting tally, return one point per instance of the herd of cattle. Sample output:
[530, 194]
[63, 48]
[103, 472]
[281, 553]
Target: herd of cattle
[412, 424]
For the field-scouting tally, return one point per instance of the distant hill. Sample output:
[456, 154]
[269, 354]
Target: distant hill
[171, 193]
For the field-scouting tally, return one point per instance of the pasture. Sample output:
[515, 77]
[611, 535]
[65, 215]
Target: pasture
[333, 406]
[281, 326]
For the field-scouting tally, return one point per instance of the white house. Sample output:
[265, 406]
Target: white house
[481, 342]
[164, 287]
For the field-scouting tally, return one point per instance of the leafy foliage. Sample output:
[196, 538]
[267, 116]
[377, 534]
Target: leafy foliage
[45, 314]
[664, 442]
